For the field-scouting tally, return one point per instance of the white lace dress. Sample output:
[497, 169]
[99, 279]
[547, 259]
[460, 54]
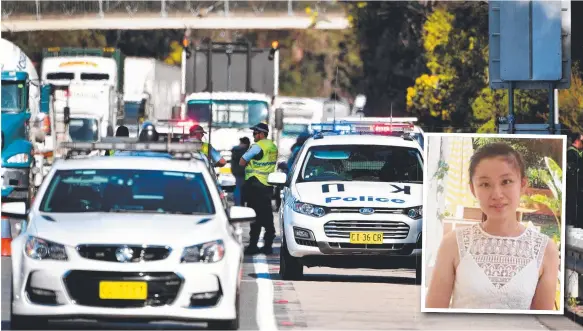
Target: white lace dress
[497, 272]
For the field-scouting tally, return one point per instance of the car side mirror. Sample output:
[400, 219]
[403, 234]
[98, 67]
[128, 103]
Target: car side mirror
[277, 178]
[238, 214]
[14, 210]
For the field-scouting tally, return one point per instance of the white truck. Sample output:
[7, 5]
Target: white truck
[234, 82]
[86, 100]
[298, 114]
[101, 68]
[151, 90]
[91, 110]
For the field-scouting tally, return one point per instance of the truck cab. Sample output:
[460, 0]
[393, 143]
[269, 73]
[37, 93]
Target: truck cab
[17, 149]
[233, 114]
[90, 82]
[91, 110]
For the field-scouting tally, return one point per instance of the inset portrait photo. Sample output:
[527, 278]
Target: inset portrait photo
[494, 224]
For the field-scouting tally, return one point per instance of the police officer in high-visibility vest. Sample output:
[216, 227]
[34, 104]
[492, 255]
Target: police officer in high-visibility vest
[574, 203]
[259, 161]
[196, 133]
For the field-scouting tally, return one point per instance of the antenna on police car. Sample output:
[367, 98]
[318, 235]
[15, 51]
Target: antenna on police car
[391, 118]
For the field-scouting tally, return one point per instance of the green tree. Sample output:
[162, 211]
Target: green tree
[571, 102]
[390, 38]
[455, 36]
[145, 43]
[454, 93]
[33, 43]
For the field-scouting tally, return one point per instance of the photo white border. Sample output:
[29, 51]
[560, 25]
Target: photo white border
[561, 309]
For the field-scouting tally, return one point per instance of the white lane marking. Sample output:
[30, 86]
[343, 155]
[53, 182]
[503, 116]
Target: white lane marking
[265, 315]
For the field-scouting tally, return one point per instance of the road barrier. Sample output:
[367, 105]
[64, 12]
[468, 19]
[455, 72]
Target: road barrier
[6, 237]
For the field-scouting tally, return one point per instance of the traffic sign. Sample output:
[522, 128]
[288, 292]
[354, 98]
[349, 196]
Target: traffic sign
[530, 44]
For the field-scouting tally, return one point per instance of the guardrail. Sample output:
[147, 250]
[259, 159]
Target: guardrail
[573, 266]
[37, 9]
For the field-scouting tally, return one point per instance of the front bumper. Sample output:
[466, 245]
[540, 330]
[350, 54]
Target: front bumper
[182, 292]
[15, 182]
[325, 241]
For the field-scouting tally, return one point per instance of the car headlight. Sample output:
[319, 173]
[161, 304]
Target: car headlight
[308, 209]
[41, 249]
[209, 252]
[414, 212]
[18, 158]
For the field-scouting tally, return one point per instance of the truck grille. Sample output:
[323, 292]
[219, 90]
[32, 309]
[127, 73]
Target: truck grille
[83, 287]
[107, 252]
[390, 229]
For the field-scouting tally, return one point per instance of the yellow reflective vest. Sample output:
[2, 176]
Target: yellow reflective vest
[266, 165]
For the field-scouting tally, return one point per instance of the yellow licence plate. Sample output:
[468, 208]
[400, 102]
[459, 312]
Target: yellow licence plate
[374, 238]
[123, 290]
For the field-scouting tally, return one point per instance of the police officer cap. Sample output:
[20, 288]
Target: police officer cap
[261, 127]
[196, 129]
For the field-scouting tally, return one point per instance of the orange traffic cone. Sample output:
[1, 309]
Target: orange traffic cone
[6, 237]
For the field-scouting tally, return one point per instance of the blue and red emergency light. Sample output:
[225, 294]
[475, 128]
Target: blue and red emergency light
[366, 126]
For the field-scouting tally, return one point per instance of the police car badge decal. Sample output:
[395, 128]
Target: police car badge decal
[326, 188]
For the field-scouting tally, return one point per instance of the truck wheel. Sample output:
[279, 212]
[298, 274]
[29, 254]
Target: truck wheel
[290, 267]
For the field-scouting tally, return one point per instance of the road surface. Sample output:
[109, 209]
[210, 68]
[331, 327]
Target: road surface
[328, 299]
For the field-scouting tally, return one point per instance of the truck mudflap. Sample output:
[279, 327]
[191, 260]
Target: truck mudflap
[15, 183]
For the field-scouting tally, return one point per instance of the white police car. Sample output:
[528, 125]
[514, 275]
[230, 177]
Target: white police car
[127, 237]
[352, 201]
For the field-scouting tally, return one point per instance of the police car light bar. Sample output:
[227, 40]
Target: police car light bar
[358, 127]
[134, 146]
[331, 127]
[374, 119]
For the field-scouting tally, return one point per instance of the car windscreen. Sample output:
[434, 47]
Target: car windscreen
[131, 191]
[370, 163]
[83, 129]
[228, 113]
[12, 96]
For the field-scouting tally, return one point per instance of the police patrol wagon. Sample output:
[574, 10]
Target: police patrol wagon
[353, 199]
